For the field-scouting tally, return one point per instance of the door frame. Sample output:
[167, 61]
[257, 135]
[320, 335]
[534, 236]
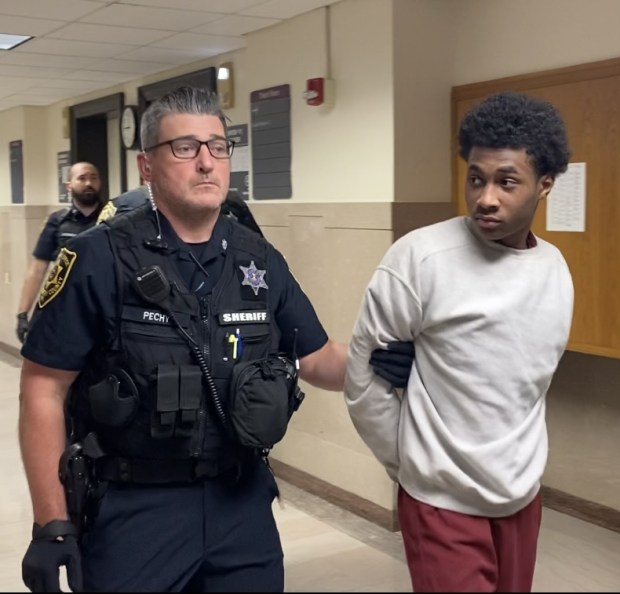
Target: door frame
[110, 106]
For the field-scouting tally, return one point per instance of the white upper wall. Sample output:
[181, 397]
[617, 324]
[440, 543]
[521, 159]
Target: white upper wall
[346, 153]
[498, 38]
[423, 72]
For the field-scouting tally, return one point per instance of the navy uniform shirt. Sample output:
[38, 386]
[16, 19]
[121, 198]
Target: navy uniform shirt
[82, 314]
[47, 245]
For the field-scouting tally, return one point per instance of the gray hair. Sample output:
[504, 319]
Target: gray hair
[191, 100]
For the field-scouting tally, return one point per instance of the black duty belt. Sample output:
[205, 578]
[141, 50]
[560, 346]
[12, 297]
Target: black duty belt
[158, 472]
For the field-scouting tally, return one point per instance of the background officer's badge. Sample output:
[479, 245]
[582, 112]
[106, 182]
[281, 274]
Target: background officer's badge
[57, 277]
[253, 277]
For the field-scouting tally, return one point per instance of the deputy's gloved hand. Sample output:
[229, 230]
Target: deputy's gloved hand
[22, 326]
[394, 363]
[52, 545]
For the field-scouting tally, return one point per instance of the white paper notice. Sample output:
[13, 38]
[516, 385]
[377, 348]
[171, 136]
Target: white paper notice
[240, 160]
[566, 203]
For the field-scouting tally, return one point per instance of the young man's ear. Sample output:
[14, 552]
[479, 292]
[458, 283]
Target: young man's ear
[545, 184]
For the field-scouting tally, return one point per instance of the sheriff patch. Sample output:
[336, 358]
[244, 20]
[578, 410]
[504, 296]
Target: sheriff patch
[57, 277]
[244, 317]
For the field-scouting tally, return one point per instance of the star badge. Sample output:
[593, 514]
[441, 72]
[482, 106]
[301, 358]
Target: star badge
[253, 277]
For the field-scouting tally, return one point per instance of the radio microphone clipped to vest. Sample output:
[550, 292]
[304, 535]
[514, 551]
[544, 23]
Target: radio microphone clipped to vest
[153, 286]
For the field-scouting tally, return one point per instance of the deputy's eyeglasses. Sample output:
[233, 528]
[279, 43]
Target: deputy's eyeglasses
[188, 148]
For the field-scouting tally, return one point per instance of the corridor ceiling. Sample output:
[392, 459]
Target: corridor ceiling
[81, 46]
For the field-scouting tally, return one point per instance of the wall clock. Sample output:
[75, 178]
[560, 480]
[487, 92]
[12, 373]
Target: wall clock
[129, 127]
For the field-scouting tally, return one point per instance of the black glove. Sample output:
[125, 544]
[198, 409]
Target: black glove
[394, 363]
[52, 545]
[22, 326]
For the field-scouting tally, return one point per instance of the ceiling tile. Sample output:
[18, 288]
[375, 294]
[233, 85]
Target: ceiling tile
[28, 99]
[149, 18]
[18, 83]
[60, 47]
[205, 44]
[62, 10]
[16, 25]
[162, 55]
[221, 6]
[31, 71]
[129, 66]
[100, 75]
[235, 25]
[63, 83]
[26, 59]
[285, 9]
[51, 93]
[109, 34]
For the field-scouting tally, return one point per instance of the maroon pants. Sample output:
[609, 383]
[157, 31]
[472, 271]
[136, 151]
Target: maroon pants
[452, 552]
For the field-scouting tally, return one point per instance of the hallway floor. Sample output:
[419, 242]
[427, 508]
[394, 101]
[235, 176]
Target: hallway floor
[326, 549]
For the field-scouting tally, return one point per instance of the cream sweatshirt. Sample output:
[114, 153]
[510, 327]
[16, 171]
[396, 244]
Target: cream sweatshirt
[490, 324]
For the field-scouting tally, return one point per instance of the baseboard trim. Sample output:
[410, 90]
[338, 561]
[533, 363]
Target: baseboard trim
[349, 501]
[583, 509]
[9, 350]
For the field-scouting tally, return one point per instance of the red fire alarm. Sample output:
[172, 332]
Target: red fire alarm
[317, 91]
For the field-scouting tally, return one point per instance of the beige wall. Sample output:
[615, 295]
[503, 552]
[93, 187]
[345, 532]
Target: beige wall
[332, 253]
[386, 139]
[12, 127]
[496, 38]
[424, 53]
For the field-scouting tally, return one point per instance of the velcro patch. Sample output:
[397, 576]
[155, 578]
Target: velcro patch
[57, 277]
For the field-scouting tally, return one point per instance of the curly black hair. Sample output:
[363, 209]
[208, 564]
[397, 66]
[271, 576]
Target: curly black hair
[517, 121]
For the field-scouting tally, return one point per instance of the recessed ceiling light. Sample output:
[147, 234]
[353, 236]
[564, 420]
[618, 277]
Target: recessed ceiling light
[8, 42]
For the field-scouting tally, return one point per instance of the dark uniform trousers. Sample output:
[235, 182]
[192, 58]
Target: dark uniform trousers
[145, 538]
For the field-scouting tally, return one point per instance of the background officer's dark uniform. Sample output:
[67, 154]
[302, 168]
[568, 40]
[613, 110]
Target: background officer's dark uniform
[61, 226]
[173, 537]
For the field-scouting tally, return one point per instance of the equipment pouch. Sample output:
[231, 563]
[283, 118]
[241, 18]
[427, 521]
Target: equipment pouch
[264, 394]
[114, 400]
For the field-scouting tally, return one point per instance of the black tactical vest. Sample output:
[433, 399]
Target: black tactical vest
[70, 226]
[174, 416]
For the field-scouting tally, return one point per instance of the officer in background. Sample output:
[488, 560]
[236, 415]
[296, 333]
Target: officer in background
[234, 206]
[83, 188]
[170, 307]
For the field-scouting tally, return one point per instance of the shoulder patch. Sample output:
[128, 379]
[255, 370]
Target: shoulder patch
[108, 211]
[57, 277]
